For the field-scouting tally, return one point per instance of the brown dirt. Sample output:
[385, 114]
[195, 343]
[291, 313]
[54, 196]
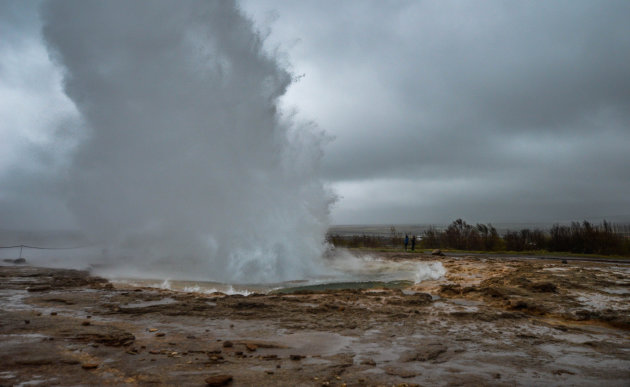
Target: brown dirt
[489, 321]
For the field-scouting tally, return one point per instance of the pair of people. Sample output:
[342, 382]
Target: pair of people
[413, 242]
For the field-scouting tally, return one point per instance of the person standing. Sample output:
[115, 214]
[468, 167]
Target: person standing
[413, 242]
[406, 241]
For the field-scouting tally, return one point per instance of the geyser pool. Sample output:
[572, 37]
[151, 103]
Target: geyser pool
[340, 269]
[344, 272]
[185, 166]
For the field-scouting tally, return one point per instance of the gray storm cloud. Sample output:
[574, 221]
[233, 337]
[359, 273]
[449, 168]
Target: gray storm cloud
[186, 166]
[491, 111]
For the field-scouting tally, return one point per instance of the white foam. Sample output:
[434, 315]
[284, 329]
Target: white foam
[187, 169]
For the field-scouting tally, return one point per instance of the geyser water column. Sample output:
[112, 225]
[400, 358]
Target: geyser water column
[186, 169]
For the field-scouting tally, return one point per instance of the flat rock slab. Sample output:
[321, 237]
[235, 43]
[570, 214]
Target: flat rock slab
[218, 380]
[429, 351]
[102, 334]
[402, 372]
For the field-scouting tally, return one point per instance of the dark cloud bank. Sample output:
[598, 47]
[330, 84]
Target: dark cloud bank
[491, 111]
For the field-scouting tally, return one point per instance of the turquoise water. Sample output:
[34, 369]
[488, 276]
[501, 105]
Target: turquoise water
[346, 285]
[345, 272]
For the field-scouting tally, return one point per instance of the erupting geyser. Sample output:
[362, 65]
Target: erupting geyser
[186, 168]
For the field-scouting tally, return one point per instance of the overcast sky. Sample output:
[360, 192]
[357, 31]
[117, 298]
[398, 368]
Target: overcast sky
[494, 111]
[502, 111]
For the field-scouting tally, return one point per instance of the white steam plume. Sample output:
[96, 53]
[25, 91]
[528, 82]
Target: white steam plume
[186, 169]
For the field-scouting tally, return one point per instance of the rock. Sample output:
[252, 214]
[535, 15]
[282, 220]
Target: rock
[544, 287]
[437, 252]
[564, 261]
[153, 329]
[251, 347]
[563, 371]
[404, 357]
[527, 306]
[89, 366]
[58, 300]
[85, 323]
[403, 373]
[249, 305]
[497, 292]
[368, 361]
[36, 361]
[583, 315]
[103, 334]
[296, 357]
[519, 305]
[160, 334]
[228, 344]
[418, 299]
[218, 380]
[450, 290]
[427, 352]
[39, 288]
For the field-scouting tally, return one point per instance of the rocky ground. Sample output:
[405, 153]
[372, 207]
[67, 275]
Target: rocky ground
[489, 321]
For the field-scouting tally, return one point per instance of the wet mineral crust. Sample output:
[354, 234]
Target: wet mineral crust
[489, 321]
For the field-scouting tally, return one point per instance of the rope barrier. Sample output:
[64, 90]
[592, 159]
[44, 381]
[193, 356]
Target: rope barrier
[44, 248]
[22, 247]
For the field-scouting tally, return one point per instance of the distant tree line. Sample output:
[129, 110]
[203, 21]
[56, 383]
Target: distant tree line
[355, 241]
[460, 235]
[585, 237]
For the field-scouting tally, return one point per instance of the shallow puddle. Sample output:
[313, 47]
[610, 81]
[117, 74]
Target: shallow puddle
[164, 301]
